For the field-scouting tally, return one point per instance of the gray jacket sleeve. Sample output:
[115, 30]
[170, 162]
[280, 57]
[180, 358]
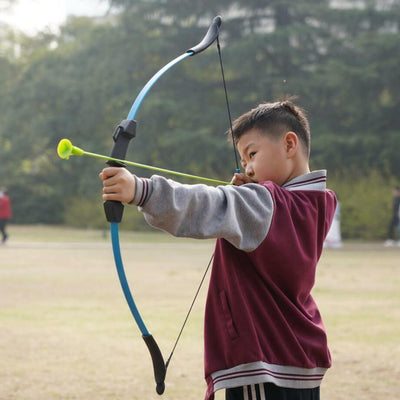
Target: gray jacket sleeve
[240, 214]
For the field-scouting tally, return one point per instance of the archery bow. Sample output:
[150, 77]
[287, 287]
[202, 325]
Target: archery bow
[124, 132]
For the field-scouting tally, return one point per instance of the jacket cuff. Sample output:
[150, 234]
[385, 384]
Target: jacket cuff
[143, 191]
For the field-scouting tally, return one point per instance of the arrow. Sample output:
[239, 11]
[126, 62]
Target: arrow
[65, 149]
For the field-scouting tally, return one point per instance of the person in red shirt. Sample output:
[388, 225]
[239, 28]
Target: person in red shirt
[264, 336]
[5, 213]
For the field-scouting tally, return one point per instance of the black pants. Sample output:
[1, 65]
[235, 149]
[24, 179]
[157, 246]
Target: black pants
[269, 391]
[3, 222]
[393, 225]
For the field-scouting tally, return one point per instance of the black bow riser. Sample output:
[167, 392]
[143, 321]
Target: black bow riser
[123, 134]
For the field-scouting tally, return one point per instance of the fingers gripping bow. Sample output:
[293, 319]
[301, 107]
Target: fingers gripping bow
[122, 136]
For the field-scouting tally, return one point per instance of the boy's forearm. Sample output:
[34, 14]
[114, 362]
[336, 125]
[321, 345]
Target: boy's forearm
[240, 215]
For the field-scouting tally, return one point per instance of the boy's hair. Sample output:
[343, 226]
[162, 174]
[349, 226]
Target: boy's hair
[275, 119]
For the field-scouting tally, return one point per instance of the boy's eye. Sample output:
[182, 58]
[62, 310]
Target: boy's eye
[252, 154]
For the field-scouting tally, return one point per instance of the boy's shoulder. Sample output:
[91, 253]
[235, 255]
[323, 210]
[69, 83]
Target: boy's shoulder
[305, 191]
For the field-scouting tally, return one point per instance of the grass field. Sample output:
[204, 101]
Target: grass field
[66, 331]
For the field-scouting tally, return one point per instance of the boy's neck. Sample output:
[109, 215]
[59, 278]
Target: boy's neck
[299, 168]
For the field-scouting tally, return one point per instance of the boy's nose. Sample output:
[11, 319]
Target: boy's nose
[249, 171]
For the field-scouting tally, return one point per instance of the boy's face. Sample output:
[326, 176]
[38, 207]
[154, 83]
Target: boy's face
[263, 158]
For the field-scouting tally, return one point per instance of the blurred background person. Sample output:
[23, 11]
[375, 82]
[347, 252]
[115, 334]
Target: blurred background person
[5, 213]
[394, 222]
[334, 236]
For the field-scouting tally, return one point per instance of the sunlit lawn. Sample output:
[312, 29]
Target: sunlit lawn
[66, 331]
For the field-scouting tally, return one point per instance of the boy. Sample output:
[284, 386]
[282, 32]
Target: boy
[264, 337]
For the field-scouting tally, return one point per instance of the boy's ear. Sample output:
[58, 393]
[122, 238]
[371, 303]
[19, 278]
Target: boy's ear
[291, 142]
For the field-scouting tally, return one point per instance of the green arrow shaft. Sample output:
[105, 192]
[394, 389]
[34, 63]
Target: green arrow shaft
[150, 167]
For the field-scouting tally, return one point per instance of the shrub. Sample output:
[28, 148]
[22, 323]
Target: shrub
[366, 201]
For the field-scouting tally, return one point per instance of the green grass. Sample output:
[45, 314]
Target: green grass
[66, 331]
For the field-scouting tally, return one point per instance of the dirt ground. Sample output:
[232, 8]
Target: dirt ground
[66, 331]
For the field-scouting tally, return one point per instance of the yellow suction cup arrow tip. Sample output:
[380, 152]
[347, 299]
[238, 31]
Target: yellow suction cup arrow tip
[65, 149]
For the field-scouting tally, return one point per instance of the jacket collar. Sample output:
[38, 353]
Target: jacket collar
[315, 180]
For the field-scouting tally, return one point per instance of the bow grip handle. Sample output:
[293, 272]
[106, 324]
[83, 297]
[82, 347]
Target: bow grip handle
[159, 367]
[123, 134]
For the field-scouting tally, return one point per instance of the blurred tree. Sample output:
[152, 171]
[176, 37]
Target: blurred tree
[340, 58]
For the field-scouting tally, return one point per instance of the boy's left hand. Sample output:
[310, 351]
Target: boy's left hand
[241, 179]
[118, 184]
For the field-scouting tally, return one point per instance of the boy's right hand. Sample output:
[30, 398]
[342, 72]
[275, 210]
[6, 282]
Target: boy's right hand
[240, 179]
[118, 184]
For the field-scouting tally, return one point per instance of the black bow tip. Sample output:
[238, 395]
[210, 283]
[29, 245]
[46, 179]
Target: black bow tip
[160, 388]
